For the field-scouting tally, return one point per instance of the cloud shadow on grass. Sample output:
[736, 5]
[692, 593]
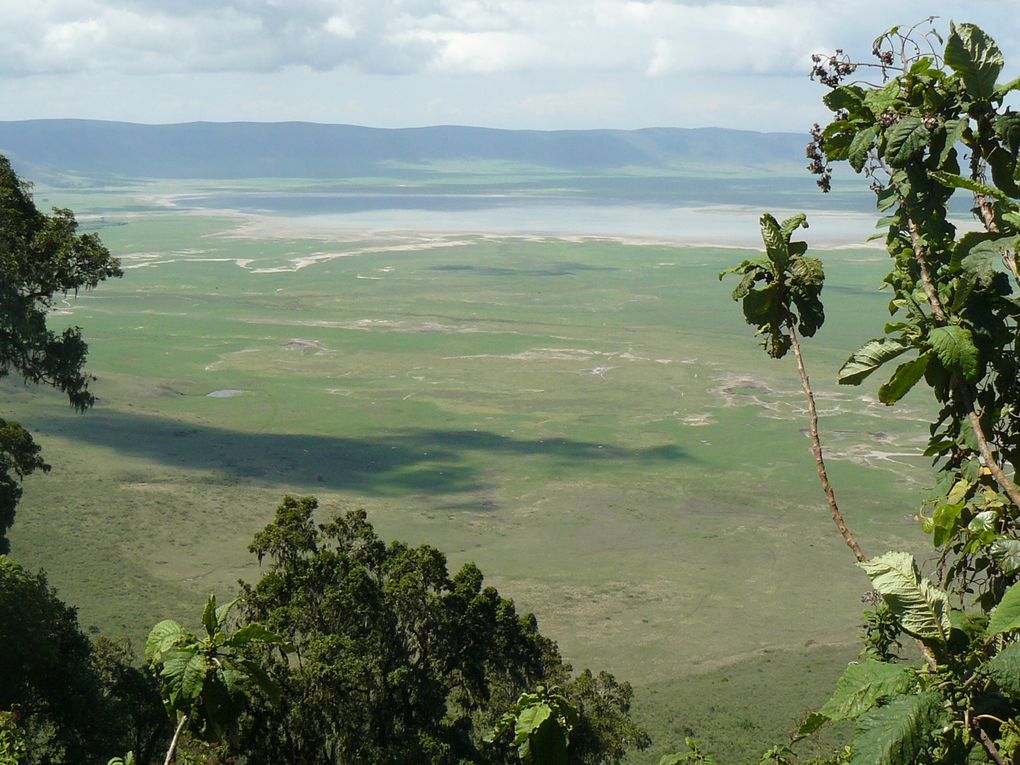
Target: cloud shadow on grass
[395, 463]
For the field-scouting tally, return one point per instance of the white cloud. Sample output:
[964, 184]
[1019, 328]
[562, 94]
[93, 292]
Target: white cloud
[556, 62]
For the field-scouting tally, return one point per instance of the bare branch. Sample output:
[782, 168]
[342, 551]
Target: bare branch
[816, 448]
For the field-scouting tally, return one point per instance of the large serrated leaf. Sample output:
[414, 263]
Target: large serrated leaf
[776, 245]
[897, 733]
[1004, 669]
[860, 146]
[905, 141]
[904, 378]
[763, 307]
[254, 632]
[883, 99]
[222, 612]
[954, 133]
[808, 272]
[922, 608]
[975, 57]
[954, 181]
[977, 254]
[175, 669]
[868, 358]
[844, 97]
[194, 674]
[863, 685]
[791, 224]
[954, 346]
[1006, 616]
[165, 635]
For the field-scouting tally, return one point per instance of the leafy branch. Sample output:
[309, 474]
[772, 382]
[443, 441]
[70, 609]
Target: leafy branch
[938, 124]
[779, 293]
[205, 681]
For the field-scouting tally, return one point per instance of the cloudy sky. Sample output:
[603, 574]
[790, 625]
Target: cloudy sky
[543, 64]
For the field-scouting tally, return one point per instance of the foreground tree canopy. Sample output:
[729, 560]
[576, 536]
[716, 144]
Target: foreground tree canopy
[65, 698]
[394, 661]
[41, 257]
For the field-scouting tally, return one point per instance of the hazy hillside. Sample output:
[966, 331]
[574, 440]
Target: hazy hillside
[297, 149]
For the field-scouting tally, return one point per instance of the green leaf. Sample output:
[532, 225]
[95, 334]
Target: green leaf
[209, 616]
[945, 522]
[977, 259]
[897, 733]
[175, 664]
[904, 378]
[905, 141]
[860, 146]
[1006, 616]
[253, 633]
[164, 636]
[776, 245]
[922, 608]
[955, 348]
[745, 284]
[1004, 669]
[791, 224]
[863, 685]
[1006, 553]
[184, 674]
[814, 721]
[886, 198]
[884, 99]
[975, 57]
[808, 272]
[984, 526]
[193, 677]
[1007, 87]
[954, 181]
[547, 744]
[954, 133]
[223, 611]
[850, 97]
[868, 358]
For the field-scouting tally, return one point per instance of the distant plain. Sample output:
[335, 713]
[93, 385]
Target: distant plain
[586, 417]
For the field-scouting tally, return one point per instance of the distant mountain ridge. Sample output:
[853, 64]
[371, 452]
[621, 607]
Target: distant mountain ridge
[312, 150]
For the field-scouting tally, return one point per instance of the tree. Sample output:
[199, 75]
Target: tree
[395, 661]
[73, 703]
[41, 256]
[937, 123]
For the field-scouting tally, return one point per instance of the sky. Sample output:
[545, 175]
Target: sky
[535, 64]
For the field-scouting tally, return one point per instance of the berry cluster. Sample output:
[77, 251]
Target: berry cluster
[819, 165]
[832, 70]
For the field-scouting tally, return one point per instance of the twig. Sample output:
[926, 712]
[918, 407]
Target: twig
[830, 495]
[988, 744]
[173, 742]
[816, 448]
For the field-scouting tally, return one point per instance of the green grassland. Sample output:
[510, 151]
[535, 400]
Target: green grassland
[588, 420]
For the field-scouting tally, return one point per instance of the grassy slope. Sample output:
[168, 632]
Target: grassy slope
[591, 423]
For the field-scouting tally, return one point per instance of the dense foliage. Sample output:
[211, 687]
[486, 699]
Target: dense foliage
[41, 257]
[72, 700]
[395, 660]
[937, 123]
